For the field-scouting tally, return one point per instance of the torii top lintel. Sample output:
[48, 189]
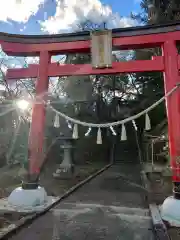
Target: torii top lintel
[47, 45]
[123, 38]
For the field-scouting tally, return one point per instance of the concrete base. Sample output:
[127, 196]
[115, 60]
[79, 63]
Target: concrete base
[27, 200]
[170, 211]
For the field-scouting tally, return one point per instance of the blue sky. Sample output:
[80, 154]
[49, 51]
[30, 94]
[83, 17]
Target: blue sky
[33, 16]
[124, 7]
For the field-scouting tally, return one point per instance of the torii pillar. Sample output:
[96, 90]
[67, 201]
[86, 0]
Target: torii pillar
[170, 209]
[36, 135]
[31, 194]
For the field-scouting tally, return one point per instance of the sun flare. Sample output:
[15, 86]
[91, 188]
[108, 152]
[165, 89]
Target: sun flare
[22, 104]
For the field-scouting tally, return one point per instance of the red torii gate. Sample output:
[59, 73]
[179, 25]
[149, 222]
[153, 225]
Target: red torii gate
[45, 46]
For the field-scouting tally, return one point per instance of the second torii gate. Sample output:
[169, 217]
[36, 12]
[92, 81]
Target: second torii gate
[45, 46]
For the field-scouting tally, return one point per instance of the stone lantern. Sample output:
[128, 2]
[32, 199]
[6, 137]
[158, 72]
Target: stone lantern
[66, 167]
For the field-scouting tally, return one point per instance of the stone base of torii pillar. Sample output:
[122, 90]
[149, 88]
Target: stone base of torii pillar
[170, 211]
[30, 197]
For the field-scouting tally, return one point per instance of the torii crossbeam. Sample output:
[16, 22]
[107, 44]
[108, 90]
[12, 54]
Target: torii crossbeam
[164, 36]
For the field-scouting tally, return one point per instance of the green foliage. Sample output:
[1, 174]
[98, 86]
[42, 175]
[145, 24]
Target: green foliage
[166, 11]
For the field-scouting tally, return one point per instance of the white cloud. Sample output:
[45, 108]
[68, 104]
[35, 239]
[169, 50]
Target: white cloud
[19, 10]
[69, 13]
[32, 60]
[125, 22]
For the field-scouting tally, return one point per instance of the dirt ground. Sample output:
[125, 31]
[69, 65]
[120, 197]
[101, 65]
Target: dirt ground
[56, 187]
[10, 178]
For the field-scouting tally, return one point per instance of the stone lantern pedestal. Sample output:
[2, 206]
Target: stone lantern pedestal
[66, 167]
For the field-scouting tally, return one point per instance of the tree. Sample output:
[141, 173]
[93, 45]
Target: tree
[158, 11]
[154, 12]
